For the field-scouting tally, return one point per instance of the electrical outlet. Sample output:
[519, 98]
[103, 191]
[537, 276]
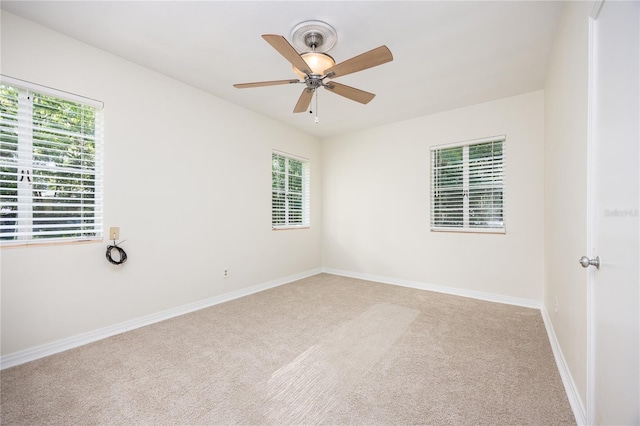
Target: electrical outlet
[225, 273]
[556, 307]
[114, 233]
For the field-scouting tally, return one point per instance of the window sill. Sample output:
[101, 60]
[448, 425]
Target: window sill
[472, 230]
[35, 243]
[289, 227]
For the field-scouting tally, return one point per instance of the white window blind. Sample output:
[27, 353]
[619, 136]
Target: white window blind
[467, 186]
[289, 191]
[50, 165]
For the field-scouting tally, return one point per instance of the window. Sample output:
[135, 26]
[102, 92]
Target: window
[467, 186]
[289, 191]
[50, 165]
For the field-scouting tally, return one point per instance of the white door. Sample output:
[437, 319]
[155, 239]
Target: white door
[614, 339]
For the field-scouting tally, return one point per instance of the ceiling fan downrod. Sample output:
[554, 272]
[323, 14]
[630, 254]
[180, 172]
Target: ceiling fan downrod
[313, 40]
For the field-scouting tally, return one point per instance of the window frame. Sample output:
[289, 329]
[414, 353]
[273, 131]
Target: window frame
[305, 185]
[466, 226]
[90, 218]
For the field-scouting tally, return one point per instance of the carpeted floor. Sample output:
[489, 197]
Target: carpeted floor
[322, 350]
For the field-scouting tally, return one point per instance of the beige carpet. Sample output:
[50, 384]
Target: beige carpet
[323, 350]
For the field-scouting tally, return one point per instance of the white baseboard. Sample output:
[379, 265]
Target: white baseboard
[41, 351]
[489, 297]
[567, 380]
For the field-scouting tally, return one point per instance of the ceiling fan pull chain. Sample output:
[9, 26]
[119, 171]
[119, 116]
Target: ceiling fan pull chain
[317, 119]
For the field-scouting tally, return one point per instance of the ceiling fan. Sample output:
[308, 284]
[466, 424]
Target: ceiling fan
[315, 68]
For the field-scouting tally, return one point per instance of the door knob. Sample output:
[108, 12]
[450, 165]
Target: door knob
[586, 262]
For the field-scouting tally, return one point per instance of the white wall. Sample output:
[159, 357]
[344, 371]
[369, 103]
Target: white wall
[187, 179]
[376, 202]
[565, 188]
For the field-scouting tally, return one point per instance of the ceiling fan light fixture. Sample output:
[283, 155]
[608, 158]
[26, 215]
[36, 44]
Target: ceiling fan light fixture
[317, 61]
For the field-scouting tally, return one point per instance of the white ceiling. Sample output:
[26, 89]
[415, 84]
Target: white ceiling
[447, 54]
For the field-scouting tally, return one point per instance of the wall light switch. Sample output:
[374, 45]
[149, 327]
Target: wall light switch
[114, 233]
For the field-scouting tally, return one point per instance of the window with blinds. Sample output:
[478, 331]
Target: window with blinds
[289, 191]
[467, 186]
[50, 165]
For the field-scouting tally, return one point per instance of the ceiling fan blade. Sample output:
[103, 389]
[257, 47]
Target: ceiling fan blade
[285, 49]
[350, 92]
[264, 83]
[372, 58]
[304, 101]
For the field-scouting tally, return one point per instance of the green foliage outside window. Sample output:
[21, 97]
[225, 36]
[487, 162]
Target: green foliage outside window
[47, 167]
[467, 186]
[287, 191]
